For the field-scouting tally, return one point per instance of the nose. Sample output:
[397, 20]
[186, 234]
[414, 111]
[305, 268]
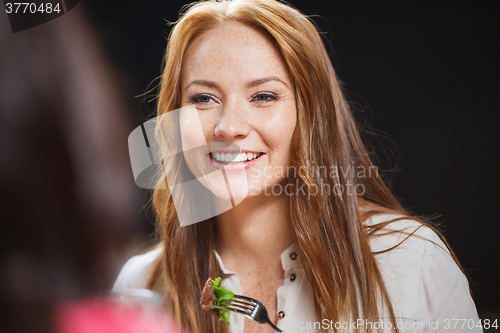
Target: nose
[232, 122]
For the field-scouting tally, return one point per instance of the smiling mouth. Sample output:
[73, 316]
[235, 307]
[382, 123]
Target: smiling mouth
[234, 158]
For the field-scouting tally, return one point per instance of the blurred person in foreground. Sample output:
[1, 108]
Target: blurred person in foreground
[65, 191]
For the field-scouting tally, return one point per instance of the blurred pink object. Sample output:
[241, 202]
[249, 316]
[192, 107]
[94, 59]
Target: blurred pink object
[106, 316]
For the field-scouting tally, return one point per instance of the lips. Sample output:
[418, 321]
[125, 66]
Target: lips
[222, 157]
[235, 160]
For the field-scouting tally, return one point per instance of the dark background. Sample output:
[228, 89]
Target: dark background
[424, 76]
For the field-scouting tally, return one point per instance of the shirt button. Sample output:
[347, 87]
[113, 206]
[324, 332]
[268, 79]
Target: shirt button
[292, 277]
[281, 314]
[293, 255]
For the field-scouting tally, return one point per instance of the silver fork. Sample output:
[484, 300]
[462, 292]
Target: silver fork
[249, 307]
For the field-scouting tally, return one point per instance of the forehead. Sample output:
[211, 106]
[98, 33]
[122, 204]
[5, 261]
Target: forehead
[236, 49]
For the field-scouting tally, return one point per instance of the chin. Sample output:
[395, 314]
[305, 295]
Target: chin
[231, 187]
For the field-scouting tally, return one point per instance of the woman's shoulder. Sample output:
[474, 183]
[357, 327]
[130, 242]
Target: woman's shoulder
[423, 279]
[136, 271]
[391, 231]
[406, 248]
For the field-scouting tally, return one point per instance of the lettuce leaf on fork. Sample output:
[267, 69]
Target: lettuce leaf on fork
[221, 293]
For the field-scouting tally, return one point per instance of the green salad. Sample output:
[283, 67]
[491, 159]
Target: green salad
[221, 293]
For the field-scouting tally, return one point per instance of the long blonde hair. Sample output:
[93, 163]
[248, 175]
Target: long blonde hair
[332, 238]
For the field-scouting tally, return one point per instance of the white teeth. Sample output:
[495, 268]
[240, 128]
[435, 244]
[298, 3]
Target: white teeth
[222, 157]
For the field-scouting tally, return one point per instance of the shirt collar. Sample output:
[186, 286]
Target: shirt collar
[289, 260]
[221, 265]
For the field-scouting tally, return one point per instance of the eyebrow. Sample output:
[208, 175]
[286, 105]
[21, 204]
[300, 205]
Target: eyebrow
[265, 79]
[253, 83]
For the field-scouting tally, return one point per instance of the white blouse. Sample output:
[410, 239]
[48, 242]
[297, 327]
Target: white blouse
[429, 292]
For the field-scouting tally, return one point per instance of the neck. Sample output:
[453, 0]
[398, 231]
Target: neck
[256, 231]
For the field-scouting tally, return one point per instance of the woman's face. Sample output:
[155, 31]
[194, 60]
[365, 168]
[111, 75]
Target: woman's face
[239, 83]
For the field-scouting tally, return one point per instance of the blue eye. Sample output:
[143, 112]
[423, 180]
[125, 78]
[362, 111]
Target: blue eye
[259, 97]
[265, 97]
[201, 99]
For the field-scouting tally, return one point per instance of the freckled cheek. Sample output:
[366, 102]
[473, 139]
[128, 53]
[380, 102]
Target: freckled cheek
[208, 124]
[191, 129]
[277, 132]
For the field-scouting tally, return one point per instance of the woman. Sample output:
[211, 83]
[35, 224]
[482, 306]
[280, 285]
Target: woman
[313, 232]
